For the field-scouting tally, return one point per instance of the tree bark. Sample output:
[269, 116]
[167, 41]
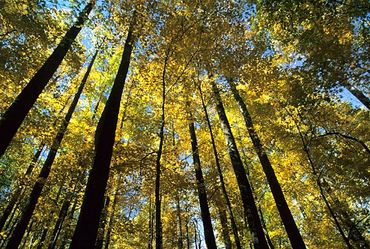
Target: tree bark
[63, 214]
[291, 228]
[250, 209]
[359, 95]
[202, 194]
[16, 113]
[19, 230]
[150, 224]
[112, 214]
[158, 221]
[88, 221]
[42, 239]
[187, 235]
[180, 243]
[306, 149]
[103, 224]
[224, 227]
[70, 218]
[266, 231]
[220, 175]
[58, 225]
[19, 190]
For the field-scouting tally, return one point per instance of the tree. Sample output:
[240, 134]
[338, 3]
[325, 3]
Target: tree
[12, 119]
[295, 237]
[87, 227]
[250, 209]
[202, 194]
[21, 227]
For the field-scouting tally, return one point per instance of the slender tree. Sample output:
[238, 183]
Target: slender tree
[180, 243]
[291, 228]
[18, 193]
[219, 171]
[202, 194]
[88, 221]
[224, 227]
[20, 229]
[158, 221]
[16, 113]
[112, 214]
[250, 209]
[103, 224]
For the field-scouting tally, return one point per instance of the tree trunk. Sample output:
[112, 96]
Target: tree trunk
[112, 215]
[187, 235]
[158, 221]
[250, 209]
[202, 194]
[195, 236]
[16, 113]
[102, 226]
[150, 225]
[333, 215]
[180, 244]
[224, 227]
[353, 233]
[294, 235]
[58, 225]
[359, 95]
[63, 214]
[306, 149]
[44, 174]
[88, 221]
[220, 175]
[19, 190]
[70, 218]
[42, 239]
[266, 231]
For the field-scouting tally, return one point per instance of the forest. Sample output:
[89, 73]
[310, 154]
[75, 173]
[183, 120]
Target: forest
[183, 124]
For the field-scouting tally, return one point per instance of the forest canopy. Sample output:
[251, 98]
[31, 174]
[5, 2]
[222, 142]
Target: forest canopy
[184, 124]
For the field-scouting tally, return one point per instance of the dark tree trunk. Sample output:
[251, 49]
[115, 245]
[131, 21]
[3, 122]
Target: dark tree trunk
[294, 235]
[19, 191]
[10, 207]
[220, 175]
[353, 232]
[10, 219]
[202, 194]
[32, 223]
[250, 209]
[35, 159]
[15, 114]
[180, 244]
[359, 95]
[63, 214]
[42, 239]
[187, 235]
[306, 149]
[150, 225]
[18, 233]
[333, 215]
[58, 225]
[157, 193]
[112, 215]
[102, 226]
[128, 100]
[97, 105]
[266, 231]
[70, 218]
[224, 227]
[88, 221]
